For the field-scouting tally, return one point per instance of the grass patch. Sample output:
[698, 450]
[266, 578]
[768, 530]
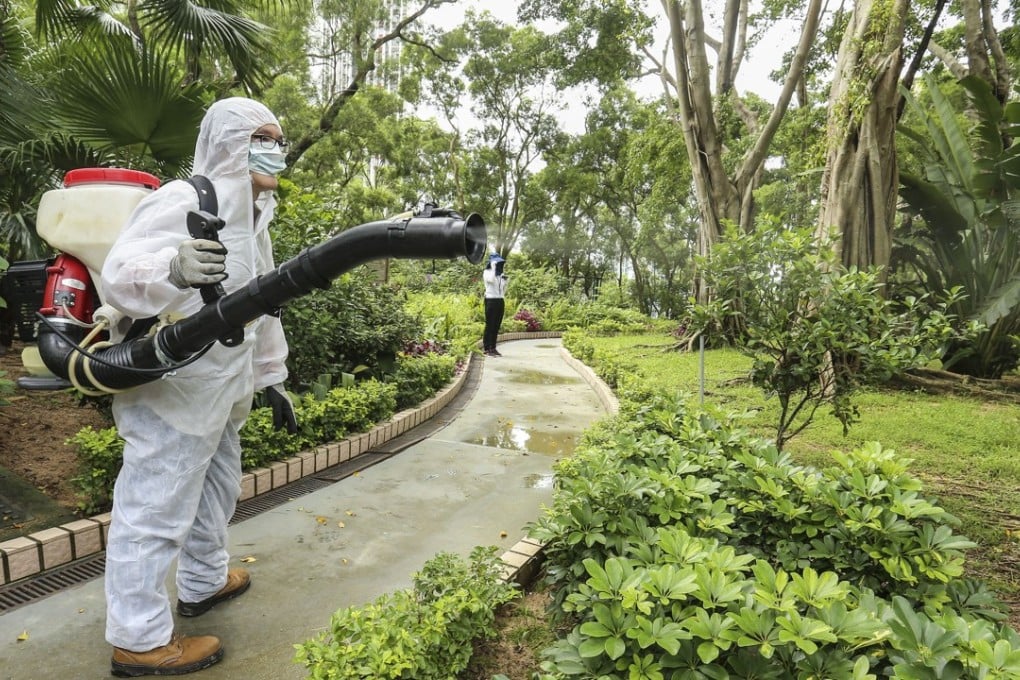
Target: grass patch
[963, 448]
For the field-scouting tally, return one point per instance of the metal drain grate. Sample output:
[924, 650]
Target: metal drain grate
[271, 499]
[52, 581]
[348, 468]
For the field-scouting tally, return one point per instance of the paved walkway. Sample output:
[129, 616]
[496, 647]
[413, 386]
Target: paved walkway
[476, 481]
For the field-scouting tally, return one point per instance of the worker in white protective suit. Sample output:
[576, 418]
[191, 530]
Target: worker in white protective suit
[182, 458]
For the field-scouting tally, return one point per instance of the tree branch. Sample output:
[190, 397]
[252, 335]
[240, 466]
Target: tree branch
[724, 72]
[756, 155]
[363, 67]
[915, 62]
[945, 56]
[1002, 75]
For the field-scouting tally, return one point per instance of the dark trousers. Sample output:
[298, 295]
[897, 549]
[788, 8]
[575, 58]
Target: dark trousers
[493, 318]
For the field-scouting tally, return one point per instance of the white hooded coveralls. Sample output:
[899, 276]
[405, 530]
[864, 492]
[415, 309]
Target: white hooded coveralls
[181, 476]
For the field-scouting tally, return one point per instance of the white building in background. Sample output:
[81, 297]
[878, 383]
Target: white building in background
[336, 72]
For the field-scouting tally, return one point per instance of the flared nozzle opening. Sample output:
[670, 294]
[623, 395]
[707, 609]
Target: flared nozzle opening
[475, 238]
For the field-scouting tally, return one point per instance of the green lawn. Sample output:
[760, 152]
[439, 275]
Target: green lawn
[964, 449]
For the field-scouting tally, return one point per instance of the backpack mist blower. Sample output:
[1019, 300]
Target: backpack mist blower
[83, 219]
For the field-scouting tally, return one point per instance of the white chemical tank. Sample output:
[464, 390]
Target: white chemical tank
[85, 217]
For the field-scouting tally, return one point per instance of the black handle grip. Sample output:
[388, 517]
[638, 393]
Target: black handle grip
[205, 225]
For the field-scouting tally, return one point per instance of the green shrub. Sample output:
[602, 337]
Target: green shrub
[100, 454]
[703, 610]
[863, 518]
[261, 443]
[680, 546]
[535, 287]
[614, 368]
[343, 410]
[599, 318]
[6, 388]
[358, 322]
[418, 378]
[816, 331]
[455, 319]
[424, 633]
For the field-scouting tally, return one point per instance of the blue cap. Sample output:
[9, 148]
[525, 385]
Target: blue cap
[494, 257]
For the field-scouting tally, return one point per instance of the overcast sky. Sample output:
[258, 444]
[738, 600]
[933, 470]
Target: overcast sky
[753, 77]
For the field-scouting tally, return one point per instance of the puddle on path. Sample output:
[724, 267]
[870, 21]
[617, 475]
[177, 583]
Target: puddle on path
[528, 377]
[539, 481]
[507, 434]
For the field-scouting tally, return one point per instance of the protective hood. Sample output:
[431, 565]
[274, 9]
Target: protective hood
[221, 151]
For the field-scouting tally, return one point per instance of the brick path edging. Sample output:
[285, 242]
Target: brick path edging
[31, 555]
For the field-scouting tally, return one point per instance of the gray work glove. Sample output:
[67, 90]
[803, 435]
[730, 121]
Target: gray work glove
[198, 262]
[283, 408]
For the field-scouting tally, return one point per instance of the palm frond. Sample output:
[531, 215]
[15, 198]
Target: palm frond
[196, 31]
[126, 102]
[56, 19]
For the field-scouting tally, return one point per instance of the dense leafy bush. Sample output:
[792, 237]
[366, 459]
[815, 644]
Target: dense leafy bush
[536, 287]
[613, 368]
[457, 320]
[261, 443]
[343, 410]
[679, 546]
[437, 277]
[356, 325]
[358, 322]
[418, 378]
[598, 318]
[531, 322]
[100, 454]
[6, 388]
[424, 633]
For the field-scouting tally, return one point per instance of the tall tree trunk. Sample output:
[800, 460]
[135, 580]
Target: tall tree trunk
[985, 56]
[860, 181]
[721, 197]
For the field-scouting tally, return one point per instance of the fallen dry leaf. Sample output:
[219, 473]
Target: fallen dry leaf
[23, 636]
[248, 558]
[502, 534]
[343, 560]
[341, 525]
[350, 513]
[320, 519]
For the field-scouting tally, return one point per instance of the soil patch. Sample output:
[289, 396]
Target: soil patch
[524, 629]
[34, 428]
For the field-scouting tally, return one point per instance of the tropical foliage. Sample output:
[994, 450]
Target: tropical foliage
[966, 231]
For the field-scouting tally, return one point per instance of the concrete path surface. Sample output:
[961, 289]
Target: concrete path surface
[476, 481]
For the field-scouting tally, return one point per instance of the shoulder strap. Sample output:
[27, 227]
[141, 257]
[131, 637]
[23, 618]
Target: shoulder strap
[206, 203]
[206, 194]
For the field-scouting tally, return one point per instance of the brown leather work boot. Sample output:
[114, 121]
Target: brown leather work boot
[238, 581]
[179, 656]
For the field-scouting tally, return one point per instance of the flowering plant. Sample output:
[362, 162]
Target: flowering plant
[531, 321]
[417, 348]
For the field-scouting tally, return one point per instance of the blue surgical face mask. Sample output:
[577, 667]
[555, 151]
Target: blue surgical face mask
[266, 161]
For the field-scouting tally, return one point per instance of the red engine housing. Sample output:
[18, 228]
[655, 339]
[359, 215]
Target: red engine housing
[69, 290]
